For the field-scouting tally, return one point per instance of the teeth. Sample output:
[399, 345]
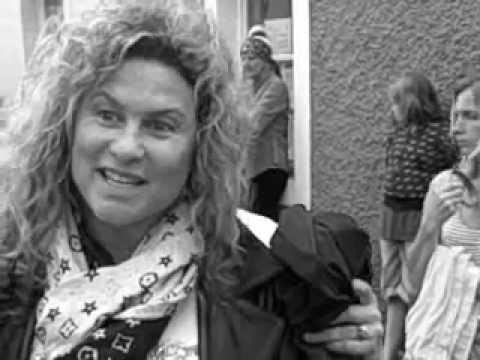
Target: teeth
[112, 176]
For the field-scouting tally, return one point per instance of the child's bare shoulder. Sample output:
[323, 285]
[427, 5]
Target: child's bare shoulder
[441, 179]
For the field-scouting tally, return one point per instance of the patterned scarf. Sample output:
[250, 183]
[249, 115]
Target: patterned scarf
[80, 300]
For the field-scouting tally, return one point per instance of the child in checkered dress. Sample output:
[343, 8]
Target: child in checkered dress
[418, 148]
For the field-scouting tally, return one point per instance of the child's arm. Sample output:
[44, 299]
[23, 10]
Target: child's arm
[442, 199]
[418, 257]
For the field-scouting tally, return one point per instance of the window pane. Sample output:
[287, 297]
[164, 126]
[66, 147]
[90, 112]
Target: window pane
[276, 15]
[53, 7]
[259, 10]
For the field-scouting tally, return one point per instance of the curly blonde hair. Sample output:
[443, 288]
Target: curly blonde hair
[71, 59]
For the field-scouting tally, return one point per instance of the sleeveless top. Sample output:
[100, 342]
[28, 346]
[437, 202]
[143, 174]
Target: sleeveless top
[456, 233]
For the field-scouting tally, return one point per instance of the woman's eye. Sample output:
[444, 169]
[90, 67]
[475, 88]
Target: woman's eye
[107, 116]
[473, 116]
[468, 115]
[159, 125]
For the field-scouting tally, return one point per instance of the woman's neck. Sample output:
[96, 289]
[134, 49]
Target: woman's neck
[259, 80]
[119, 241]
[471, 168]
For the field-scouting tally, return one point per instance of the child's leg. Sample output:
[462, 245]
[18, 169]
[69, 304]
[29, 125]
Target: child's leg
[395, 329]
[396, 309]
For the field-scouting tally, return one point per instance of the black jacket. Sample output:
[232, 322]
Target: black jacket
[300, 284]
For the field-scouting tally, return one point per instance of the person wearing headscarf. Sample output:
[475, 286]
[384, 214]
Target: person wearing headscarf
[269, 116]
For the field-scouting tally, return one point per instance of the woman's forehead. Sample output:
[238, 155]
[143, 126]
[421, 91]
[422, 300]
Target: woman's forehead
[147, 85]
[467, 99]
[470, 91]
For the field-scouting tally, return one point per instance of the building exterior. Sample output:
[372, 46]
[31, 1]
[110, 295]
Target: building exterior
[357, 48]
[289, 29]
[11, 42]
[345, 53]
[338, 57]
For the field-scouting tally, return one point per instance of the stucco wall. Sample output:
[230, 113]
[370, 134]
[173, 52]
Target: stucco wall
[358, 47]
[11, 43]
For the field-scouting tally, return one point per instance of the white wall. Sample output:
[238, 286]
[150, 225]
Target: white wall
[11, 45]
[73, 8]
[228, 13]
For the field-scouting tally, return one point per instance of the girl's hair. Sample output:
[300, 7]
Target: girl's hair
[70, 60]
[417, 100]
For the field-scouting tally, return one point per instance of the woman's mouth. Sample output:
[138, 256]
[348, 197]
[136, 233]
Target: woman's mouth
[116, 177]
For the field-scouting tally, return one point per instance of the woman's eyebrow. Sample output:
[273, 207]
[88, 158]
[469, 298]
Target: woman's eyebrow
[463, 111]
[104, 95]
[172, 110]
[174, 116]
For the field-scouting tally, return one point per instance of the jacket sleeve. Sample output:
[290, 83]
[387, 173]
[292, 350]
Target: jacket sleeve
[322, 254]
[17, 313]
[16, 338]
[273, 101]
[305, 275]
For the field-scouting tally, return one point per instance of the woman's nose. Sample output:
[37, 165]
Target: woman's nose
[128, 145]
[457, 124]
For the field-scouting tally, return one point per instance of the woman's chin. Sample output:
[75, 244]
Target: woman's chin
[115, 216]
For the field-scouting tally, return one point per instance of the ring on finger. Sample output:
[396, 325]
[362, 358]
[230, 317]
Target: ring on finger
[362, 332]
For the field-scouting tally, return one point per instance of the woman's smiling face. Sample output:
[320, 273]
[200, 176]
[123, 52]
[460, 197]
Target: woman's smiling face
[133, 142]
[252, 66]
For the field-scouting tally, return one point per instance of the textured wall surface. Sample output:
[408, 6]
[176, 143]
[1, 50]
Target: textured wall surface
[358, 47]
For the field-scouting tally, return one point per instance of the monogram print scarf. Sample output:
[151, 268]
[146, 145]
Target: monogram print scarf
[155, 283]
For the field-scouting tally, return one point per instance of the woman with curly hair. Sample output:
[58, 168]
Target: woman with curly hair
[120, 233]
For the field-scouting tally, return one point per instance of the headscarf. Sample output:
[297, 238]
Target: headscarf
[257, 44]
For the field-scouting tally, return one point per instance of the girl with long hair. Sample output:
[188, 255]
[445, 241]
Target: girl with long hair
[417, 149]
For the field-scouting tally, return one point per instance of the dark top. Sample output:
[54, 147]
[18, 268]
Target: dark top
[412, 159]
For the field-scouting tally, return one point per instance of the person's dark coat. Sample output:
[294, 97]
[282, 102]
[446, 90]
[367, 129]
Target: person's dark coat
[300, 284]
[270, 114]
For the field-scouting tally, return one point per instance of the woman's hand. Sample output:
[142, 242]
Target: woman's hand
[358, 330]
[442, 201]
